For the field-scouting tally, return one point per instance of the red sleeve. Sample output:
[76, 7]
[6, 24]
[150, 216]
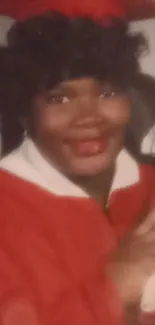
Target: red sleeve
[86, 304]
[39, 285]
[16, 305]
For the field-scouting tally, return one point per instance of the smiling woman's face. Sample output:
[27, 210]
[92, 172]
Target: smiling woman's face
[80, 125]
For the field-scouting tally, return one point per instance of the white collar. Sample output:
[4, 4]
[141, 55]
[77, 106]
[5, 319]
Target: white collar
[27, 163]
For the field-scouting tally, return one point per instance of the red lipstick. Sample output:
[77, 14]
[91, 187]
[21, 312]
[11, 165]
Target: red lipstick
[88, 147]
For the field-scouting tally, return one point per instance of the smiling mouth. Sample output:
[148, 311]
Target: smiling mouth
[88, 147]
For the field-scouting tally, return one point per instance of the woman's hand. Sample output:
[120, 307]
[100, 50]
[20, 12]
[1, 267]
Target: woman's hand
[134, 262]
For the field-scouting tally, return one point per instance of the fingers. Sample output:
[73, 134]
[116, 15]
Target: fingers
[149, 238]
[147, 225]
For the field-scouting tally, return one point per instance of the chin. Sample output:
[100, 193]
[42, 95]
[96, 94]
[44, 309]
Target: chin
[89, 166]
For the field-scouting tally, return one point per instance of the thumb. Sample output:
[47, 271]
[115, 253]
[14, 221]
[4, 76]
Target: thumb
[147, 224]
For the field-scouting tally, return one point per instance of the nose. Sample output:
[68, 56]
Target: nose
[88, 113]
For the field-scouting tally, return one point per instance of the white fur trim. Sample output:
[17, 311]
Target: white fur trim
[27, 162]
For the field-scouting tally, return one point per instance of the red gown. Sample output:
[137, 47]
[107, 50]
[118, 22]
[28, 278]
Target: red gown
[53, 249]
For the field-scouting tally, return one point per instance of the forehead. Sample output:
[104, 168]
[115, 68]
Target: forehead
[81, 85]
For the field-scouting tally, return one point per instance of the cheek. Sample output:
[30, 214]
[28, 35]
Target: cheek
[54, 121]
[117, 112]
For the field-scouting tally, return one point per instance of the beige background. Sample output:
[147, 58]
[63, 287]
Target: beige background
[148, 28]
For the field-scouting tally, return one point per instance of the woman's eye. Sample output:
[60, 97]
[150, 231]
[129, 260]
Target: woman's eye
[107, 94]
[59, 99]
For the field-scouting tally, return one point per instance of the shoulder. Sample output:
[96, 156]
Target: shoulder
[8, 179]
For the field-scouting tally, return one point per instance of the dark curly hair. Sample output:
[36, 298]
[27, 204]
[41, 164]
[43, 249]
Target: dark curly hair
[47, 49]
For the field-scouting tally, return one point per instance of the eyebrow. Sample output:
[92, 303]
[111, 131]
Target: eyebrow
[56, 90]
[64, 89]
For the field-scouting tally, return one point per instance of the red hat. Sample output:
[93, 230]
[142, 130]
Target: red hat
[97, 9]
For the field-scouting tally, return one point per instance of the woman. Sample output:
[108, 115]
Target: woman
[66, 199]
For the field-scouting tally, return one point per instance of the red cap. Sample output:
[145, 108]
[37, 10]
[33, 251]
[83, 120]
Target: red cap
[96, 9]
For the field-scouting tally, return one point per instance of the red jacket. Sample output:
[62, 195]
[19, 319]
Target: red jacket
[53, 250]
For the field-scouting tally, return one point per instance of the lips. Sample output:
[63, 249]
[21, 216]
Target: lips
[89, 147]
